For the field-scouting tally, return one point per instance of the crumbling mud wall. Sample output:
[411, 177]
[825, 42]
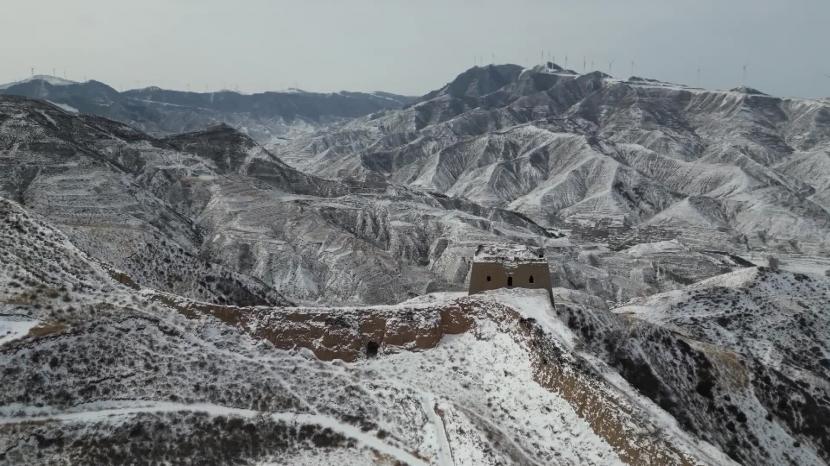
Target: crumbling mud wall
[345, 333]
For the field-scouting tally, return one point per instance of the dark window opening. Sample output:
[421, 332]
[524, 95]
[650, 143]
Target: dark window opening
[488, 278]
[530, 280]
[509, 281]
[372, 349]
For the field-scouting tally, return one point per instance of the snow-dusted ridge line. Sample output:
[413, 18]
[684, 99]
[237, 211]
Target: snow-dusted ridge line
[128, 408]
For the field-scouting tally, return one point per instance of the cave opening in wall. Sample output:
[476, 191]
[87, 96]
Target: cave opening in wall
[372, 349]
[509, 281]
[488, 278]
[530, 279]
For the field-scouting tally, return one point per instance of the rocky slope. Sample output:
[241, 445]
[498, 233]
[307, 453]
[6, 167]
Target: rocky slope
[740, 359]
[266, 117]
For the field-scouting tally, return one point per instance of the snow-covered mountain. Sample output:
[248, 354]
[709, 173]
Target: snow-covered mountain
[587, 148]
[202, 297]
[268, 117]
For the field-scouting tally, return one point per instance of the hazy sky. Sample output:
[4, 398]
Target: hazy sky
[413, 46]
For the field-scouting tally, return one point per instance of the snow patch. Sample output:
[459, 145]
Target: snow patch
[535, 304]
[64, 107]
[13, 329]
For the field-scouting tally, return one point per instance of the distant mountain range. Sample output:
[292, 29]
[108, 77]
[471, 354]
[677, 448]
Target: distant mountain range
[265, 116]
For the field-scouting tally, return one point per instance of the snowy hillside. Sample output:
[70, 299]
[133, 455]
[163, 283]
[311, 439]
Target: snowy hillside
[587, 148]
[493, 379]
[220, 296]
[740, 359]
[466, 380]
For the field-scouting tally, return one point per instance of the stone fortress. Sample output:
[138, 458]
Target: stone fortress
[509, 266]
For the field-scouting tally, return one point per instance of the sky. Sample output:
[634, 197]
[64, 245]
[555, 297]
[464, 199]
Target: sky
[414, 46]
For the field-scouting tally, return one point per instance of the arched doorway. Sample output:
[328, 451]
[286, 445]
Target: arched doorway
[372, 349]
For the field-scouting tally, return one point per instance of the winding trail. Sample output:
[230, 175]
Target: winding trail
[122, 408]
[428, 404]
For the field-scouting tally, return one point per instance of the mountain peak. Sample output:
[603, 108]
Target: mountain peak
[748, 90]
[478, 81]
[216, 134]
[51, 80]
[553, 66]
